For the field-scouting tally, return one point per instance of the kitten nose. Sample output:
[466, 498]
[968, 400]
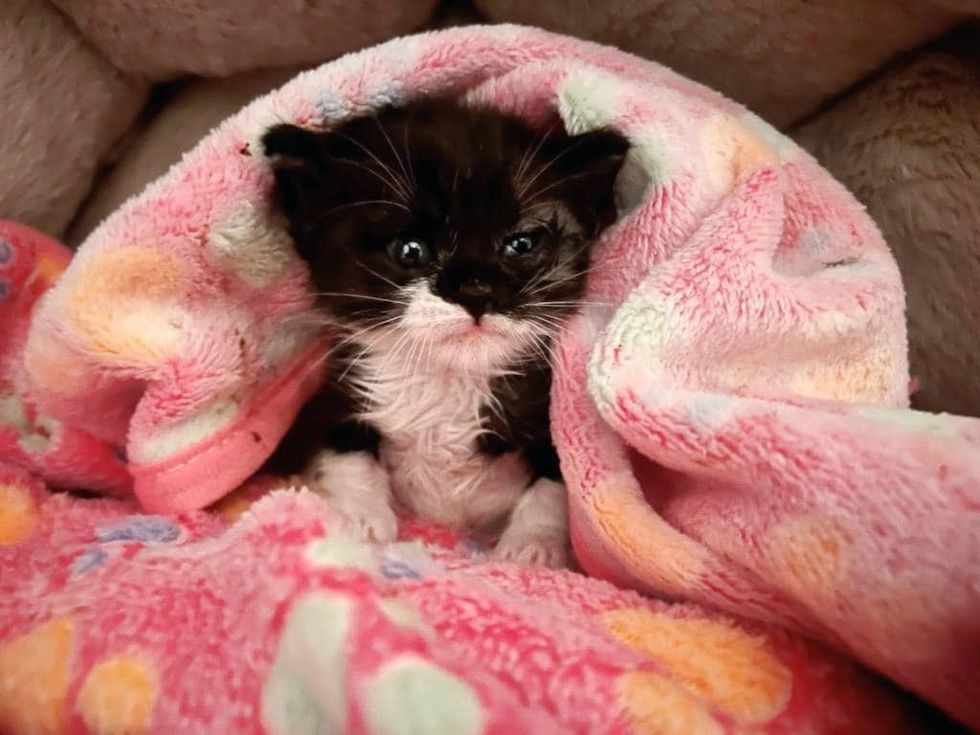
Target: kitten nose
[475, 288]
[475, 295]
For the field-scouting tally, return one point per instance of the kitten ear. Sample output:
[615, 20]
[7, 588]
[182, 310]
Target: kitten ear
[586, 166]
[600, 152]
[298, 164]
[291, 145]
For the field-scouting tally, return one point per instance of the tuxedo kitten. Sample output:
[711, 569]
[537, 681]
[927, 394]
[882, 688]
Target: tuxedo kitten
[448, 244]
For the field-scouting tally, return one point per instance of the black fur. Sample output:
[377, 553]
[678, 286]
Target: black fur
[447, 177]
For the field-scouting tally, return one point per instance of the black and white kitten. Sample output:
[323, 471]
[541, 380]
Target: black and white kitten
[448, 245]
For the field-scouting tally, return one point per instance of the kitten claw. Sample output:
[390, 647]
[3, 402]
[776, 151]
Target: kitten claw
[537, 534]
[541, 551]
[377, 525]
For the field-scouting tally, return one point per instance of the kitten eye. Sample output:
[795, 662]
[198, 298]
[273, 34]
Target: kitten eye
[522, 243]
[409, 253]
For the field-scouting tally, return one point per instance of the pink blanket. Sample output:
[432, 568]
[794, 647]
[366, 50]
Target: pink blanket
[729, 411]
[114, 622]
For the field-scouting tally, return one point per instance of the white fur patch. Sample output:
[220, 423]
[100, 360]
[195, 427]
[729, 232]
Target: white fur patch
[424, 384]
[442, 335]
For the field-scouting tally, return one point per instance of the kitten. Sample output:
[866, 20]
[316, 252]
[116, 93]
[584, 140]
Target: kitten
[448, 244]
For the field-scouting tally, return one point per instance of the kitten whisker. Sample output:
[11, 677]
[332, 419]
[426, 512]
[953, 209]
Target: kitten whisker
[538, 278]
[339, 345]
[528, 156]
[531, 282]
[385, 167]
[547, 319]
[530, 198]
[376, 274]
[548, 206]
[390, 181]
[550, 327]
[400, 184]
[355, 335]
[570, 303]
[341, 207]
[365, 348]
[551, 284]
[364, 297]
[543, 169]
[547, 274]
[350, 366]
[540, 349]
[542, 281]
[408, 156]
[373, 326]
[394, 152]
[495, 405]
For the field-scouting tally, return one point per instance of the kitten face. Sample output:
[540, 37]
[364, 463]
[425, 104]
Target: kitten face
[457, 231]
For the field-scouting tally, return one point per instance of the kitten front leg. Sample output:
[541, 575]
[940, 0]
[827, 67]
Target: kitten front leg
[537, 533]
[358, 488]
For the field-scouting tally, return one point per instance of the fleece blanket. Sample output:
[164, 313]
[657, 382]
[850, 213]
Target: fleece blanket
[116, 622]
[729, 408]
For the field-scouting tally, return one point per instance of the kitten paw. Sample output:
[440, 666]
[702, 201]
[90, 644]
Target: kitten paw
[537, 534]
[358, 489]
[533, 551]
[375, 525]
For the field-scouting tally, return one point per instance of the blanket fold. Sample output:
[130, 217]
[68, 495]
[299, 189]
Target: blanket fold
[730, 406]
[62, 453]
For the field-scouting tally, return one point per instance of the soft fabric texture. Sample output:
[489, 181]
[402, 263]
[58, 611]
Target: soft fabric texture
[962, 6]
[29, 263]
[75, 74]
[279, 624]
[914, 159]
[163, 39]
[183, 121]
[739, 437]
[782, 60]
[64, 107]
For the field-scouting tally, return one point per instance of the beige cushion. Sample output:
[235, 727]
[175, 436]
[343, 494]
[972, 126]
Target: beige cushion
[186, 118]
[782, 59]
[908, 145]
[63, 107]
[163, 39]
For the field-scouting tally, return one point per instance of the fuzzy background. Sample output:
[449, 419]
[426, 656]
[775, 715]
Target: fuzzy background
[99, 98]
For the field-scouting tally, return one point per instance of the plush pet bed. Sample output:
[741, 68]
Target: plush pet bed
[730, 411]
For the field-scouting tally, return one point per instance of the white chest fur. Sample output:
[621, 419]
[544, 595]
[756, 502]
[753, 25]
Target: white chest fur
[429, 419]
